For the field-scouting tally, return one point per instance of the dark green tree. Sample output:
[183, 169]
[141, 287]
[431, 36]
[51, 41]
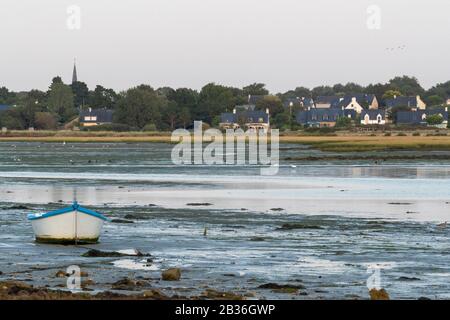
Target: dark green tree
[255, 89]
[7, 97]
[140, 106]
[322, 91]
[213, 100]
[409, 86]
[273, 103]
[60, 100]
[102, 98]
[80, 94]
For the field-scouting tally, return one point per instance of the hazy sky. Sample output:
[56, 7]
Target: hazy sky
[188, 43]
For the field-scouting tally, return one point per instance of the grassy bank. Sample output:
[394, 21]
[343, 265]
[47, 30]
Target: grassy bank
[342, 141]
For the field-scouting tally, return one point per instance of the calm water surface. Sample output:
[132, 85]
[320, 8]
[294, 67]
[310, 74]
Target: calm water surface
[355, 214]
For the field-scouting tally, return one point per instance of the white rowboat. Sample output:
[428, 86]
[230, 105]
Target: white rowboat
[70, 225]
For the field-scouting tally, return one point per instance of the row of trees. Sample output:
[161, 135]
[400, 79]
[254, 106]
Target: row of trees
[144, 107]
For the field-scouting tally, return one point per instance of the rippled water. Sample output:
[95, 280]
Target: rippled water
[353, 214]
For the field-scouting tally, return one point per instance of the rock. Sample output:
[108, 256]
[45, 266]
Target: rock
[19, 207]
[14, 288]
[217, 295]
[257, 239]
[121, 221]
[378, 294]
[60, 274]
[127, 284]
[154, 294]
[195, 204]
[84, 274]
[284, 287]
[1, 273]
[276, 209]
[293, 226]
[87, 282]
[400, 203]
[173, 274]
[93, 253]
[423, 298]
[408, 279]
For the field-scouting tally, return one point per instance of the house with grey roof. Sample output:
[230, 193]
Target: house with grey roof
[410, 102]
[247, 119]
[94, 117]
[303, 102]
[359, 102]
[327, 102]
[314, 117]
[419, 117]
[373, 117]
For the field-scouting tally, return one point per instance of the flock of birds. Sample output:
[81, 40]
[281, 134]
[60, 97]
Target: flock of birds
[402, 47]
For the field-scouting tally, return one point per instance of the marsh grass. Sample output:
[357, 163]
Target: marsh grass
[347, 142]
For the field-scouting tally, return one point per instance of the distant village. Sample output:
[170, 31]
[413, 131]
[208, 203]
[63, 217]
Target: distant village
[326, 111]
[142, 108]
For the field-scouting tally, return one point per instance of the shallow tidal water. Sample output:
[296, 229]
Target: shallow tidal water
[350, 216]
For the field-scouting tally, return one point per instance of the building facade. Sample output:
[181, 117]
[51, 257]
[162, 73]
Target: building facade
[247, 119]
[314, 117]
[419, 117]
[95, 117]
[373, 117]
[410, 102]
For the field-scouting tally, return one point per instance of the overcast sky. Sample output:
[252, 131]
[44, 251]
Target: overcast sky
[188, 43]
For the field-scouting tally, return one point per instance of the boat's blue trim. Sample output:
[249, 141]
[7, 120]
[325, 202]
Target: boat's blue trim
[74, 207]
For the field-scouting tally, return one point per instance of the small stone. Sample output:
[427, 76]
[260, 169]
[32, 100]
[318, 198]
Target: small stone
[60, 274]
[154, 294]
[378, 294]
[173, 274]
[121, 221]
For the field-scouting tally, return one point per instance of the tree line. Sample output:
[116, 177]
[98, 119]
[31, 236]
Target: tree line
[146, 108]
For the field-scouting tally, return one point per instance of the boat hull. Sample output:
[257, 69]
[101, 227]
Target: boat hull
[68, 228]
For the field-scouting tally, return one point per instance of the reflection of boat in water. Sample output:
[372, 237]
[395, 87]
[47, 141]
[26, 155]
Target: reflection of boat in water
[70, 225]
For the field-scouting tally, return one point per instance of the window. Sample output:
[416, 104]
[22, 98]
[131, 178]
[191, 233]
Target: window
[90, 118]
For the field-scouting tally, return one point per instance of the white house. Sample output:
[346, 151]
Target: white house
[377, 117]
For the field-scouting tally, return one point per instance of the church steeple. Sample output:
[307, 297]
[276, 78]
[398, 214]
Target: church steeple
[74, 74]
